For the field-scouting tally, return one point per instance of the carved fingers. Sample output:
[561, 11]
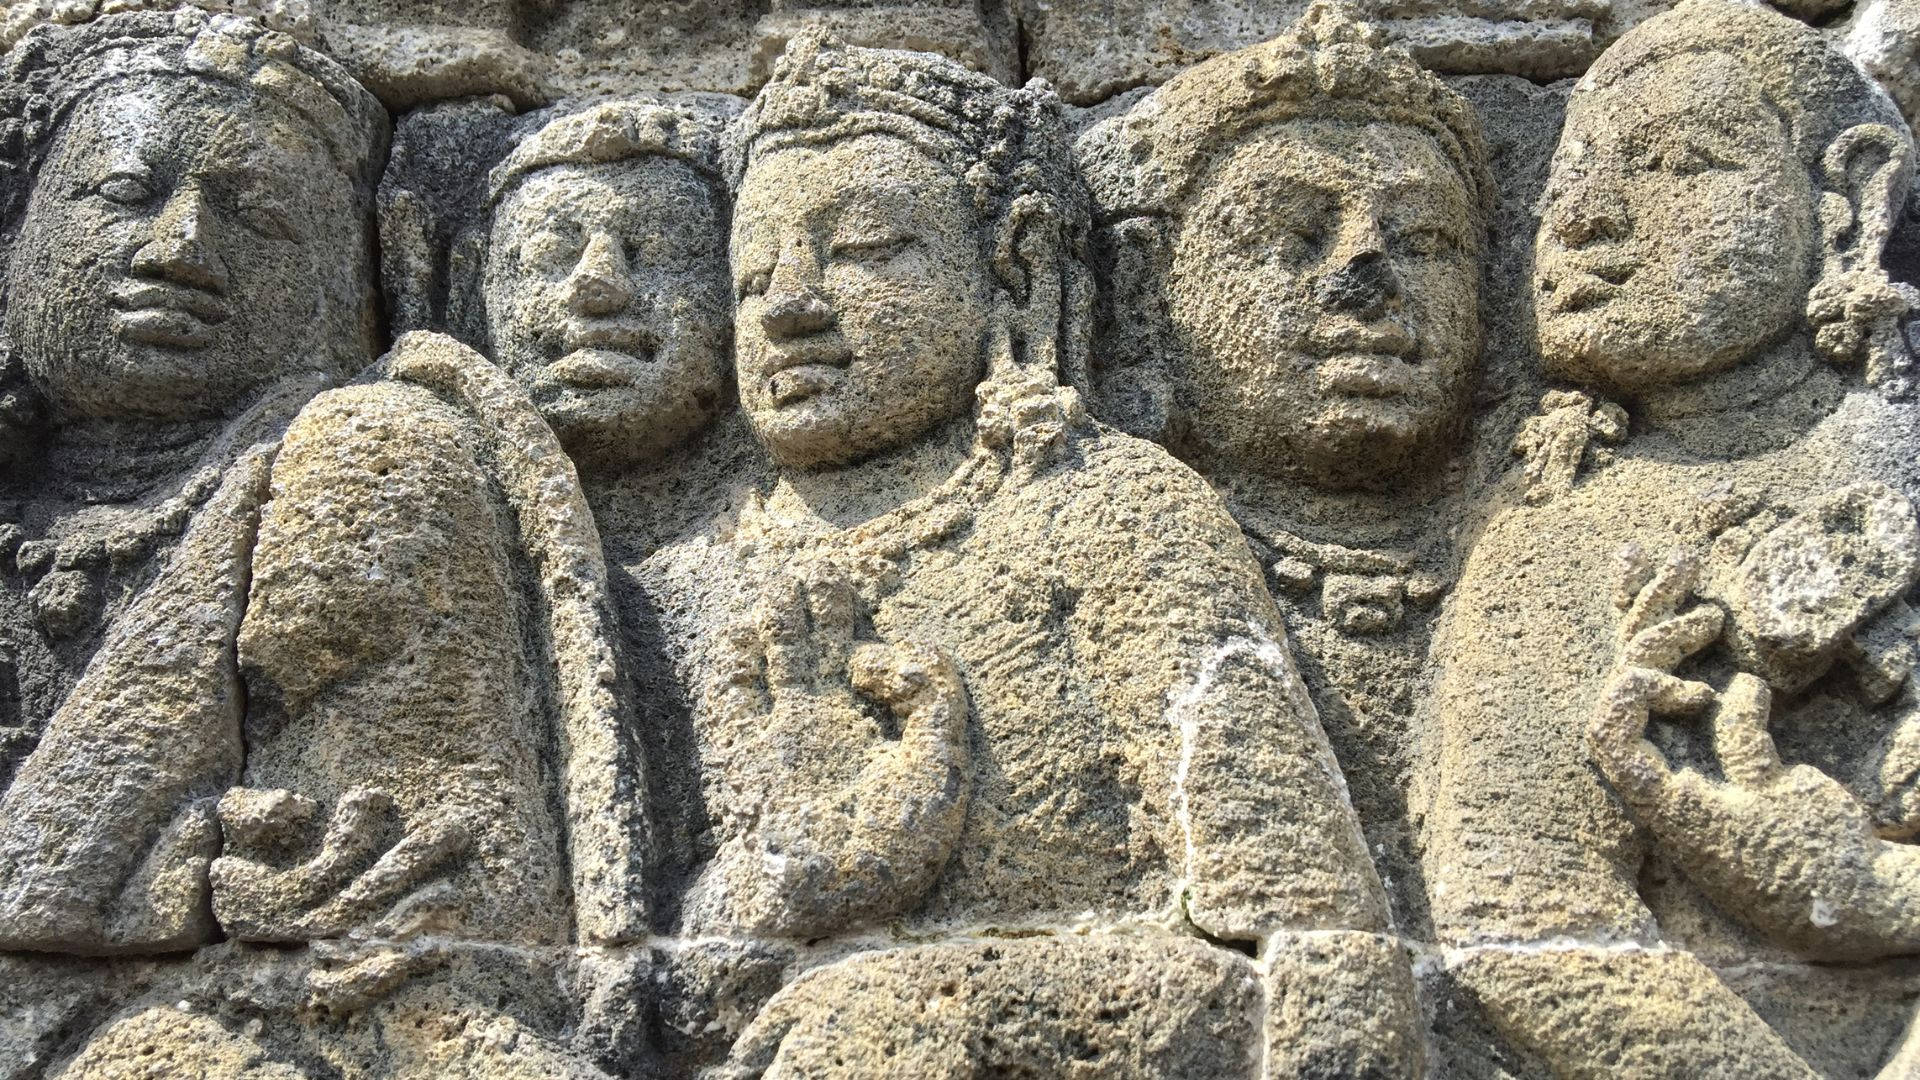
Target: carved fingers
[1893, 780]
[1656, 636]
[921, 687]
[1653, 632]
[799, 633]
[1741, 740]
[354, 877]
[1616, 733]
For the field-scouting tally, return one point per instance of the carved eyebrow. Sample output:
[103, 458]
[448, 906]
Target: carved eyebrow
[1272, 193]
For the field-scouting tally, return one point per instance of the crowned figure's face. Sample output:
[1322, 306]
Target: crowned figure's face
[1677, 232]
[864, 298]
[1324, 297]
[607, 297]
[186, 242]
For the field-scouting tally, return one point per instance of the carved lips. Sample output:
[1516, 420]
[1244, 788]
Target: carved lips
[170, 316]
[1368, 361]
[805, 369]
[1570, 288]
[600, 357]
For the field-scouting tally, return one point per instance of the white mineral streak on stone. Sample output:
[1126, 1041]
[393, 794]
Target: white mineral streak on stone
[1311, 282]
[1183, 715]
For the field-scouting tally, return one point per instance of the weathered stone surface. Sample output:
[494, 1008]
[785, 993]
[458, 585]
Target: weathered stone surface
[584, 538]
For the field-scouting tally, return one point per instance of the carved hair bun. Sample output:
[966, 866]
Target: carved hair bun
[1327, 65]
[1004, 142]
[55, 66]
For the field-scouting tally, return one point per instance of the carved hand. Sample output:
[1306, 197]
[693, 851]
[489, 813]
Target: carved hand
[1813, 583]
[336, 890]
[1788, 848]
[835, 821]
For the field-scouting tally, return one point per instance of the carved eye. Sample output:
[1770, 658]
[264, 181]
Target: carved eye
[1684, 159]
[125, 189]
[1296, 244]
[1688, 160]
[1425, 242]
[266, 219]
[554, 249]
[755, 283]
[871, 249]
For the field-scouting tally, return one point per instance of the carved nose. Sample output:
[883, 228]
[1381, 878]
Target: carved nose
[180, 251]
[1362, 287]
[1588, 219]
[600, 283]
[796, 314]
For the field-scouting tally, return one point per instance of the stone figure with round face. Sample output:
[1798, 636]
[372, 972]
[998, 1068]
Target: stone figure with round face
[606, 288]
[1709, 253]
[191, 262]
[1291, 248]
[1309, 214]
[319, 714]
[935, 667]
[184, 246]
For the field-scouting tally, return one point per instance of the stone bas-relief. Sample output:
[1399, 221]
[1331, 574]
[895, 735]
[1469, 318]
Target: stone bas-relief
[316, 716]
[157, 274]
[1711, 260]
[903, 718]
[1294, 237]
[743, 624]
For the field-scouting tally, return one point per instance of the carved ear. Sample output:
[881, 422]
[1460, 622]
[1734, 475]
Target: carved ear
[1133, 388]
[1028, 248]
[1027, 256]
[1855, 310]
[1867, 168]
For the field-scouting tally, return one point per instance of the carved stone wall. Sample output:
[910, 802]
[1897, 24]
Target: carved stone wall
[1015, 538]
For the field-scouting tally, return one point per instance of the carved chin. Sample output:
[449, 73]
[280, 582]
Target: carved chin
[805, 434]
[1619, 354]
[1368, 442]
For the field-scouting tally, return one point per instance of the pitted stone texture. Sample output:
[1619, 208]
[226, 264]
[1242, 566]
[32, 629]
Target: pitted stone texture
[1502, 668]
[1121, 1006]
[1684, 596]
[189, 265]
[582, 248]
[1093, 51]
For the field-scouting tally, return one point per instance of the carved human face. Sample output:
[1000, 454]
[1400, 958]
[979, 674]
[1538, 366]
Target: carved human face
[864, 299]
[1677, 233]
[185, 244]
[1324, 295]
[607, 298]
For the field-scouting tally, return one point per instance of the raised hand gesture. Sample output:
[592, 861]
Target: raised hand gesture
[845, 768]
[1788, 848]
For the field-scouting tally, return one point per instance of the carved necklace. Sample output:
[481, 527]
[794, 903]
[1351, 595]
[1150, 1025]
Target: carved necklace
[1362, 591]
[63, 566]
[871, 554]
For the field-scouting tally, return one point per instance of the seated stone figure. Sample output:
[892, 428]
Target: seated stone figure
[361, 693]
[603, 291]
[973, 668]
[191, 263]
[1291, 238]
[1709, 253]
[582, 248]
[591, 263]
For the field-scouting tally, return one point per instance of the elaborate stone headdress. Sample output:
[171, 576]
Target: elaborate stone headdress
[1854, 308]
[1327, 66]
[438, 196]
[1008, 145]
[55, 67]
[614, 131]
